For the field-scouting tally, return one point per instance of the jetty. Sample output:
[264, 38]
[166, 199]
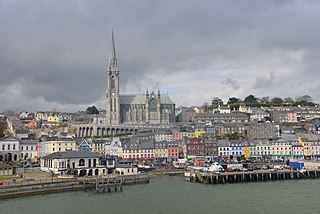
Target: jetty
[113, 183]
[252, 176]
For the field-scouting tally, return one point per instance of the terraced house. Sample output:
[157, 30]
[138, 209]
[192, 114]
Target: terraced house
[224, 149]
[211, 150]
[195, 148]
[51, 145]
[138, 151]
[281, 150]
[307, 147]
[236, 149]
[29, 150]
[297, 150]
[161, 153]
[262, 149]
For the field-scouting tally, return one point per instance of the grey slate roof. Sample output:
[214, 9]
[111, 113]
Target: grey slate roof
[122, 165]
[207, 114]
[138, 145]
[29, 141]
[9, 138]
[141, 99]
[71, 154]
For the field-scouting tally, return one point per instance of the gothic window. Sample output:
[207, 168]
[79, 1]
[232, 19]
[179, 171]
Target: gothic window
[153, 105]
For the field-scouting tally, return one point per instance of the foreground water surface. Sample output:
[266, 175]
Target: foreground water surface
[170, 194]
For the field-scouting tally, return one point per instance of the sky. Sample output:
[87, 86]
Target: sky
[54, 54]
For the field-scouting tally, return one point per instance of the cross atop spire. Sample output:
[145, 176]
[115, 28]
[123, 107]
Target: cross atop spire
[113, 59]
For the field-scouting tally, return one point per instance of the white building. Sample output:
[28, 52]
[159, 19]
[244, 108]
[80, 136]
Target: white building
[9, 149]
[81, 163]
[112, 147]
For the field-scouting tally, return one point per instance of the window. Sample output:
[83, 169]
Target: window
[81, 162]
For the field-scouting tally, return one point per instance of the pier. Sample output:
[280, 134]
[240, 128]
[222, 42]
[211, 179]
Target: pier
[254, 176]
[113, 183]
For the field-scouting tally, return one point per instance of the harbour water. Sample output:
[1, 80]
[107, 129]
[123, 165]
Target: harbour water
[171, 194]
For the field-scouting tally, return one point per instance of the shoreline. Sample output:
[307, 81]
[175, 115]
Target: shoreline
[102, 183]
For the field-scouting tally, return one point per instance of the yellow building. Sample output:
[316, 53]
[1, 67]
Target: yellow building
[53, 118]
[307, 147]
[49, 147]
[197, 134]
[161, 150]
[246, 151]
[98, 147]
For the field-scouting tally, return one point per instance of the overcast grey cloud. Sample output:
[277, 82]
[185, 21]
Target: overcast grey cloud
[53, 54]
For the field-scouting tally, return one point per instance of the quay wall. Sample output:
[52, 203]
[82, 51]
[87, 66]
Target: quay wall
[38, 189]
[63, 186]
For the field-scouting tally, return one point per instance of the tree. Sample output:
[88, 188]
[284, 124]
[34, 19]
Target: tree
[288, 100]
[216, 102]
[304, 98]
[92, 110]
[276, 100]
[232, 136]
[233, 100]
[268, 118]
[265, 99]
[250, 99]
[205, 107]
[3, 126]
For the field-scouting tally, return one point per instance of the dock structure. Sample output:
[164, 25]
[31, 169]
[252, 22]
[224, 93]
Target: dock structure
[254, 176]
[113, 183]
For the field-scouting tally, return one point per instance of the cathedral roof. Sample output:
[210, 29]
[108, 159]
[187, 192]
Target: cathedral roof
[141, 99]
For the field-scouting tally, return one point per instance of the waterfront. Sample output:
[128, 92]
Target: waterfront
[171, 194]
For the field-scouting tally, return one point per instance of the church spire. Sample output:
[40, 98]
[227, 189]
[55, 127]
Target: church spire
[113, 54]
[113, 59]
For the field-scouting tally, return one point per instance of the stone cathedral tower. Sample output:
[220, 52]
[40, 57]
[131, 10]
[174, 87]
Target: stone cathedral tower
[113, 102]
[134, 109]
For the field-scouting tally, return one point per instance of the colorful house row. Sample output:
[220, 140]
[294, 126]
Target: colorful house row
[223, 149]
[133, 149]
[51, 117]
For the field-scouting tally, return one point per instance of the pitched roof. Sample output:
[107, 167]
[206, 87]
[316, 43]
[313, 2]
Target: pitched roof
[71, 154]
[29, 141]
[9, 138]
[141, 99]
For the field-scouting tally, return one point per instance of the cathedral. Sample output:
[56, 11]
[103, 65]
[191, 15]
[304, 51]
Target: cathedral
[150, 108]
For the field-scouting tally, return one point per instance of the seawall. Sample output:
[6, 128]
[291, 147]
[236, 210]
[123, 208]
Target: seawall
[74, 185]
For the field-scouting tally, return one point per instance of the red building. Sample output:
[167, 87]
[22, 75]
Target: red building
[173, 150]
[175, 135]
[195, 148]
[32, 124]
